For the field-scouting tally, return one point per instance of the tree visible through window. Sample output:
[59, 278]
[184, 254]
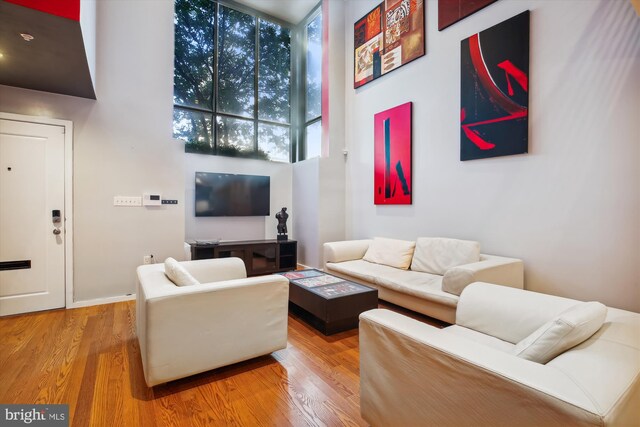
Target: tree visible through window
[231, 82]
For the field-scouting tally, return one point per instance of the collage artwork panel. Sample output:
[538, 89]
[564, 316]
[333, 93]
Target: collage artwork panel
[389, 36]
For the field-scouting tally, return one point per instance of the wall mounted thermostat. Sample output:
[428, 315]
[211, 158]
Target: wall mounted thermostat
[151, 199]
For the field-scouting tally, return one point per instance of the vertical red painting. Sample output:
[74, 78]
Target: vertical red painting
[452, 11]
[392, 156]
[494, 91]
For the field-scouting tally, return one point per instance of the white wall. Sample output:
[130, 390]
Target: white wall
[238, 228]
[319, 184]
[306, 205]
[88, 28]
[571, 207]
[122, 146]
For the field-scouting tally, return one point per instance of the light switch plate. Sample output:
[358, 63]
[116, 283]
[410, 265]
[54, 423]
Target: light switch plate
[127, 201]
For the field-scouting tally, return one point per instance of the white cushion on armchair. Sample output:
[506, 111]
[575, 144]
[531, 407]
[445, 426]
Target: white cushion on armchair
[568, 329]
[178, 274]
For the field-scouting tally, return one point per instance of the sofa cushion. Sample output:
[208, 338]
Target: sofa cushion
[178, 274]
[391, 252]
[568, 329]
[436, 255]
[421, 285]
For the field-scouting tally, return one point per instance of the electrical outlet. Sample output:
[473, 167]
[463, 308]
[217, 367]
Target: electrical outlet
[129, 201]
[147, 259]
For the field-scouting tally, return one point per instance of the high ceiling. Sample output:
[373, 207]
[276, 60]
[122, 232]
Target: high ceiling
[292, 11]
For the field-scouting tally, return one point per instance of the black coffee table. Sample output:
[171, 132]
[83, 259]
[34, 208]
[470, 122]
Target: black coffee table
[327, 302]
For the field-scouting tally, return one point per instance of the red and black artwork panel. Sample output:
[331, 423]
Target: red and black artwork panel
[495, 90]
[452, 11]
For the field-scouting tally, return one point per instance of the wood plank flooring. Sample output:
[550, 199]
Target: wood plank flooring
[89, 358]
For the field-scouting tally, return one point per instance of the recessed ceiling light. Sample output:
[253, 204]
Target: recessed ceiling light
[27, 37]
[1, 54]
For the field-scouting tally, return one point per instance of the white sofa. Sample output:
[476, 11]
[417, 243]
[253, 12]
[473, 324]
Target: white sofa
[453, 264]
[227, 318]
[468, 374]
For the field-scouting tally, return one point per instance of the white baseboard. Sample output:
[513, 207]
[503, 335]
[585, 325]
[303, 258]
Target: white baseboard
[304, 267]
[100, 301]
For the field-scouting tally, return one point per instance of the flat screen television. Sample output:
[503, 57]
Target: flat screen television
[224, 194]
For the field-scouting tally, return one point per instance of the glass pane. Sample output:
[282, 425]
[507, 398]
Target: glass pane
[193, 64]
[274, 142]
[313, 138]
[314, 68]
[274, 73]
[236, 62]
[263, 258]
[235, 137]
[194, 128]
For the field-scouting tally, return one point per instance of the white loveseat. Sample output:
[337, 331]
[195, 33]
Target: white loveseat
[226, 318]
[427, 277]
[469, 374]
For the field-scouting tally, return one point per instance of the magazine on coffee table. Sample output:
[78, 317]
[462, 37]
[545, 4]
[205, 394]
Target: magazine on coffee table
[293, 275]
[322, 280]
[339, 289]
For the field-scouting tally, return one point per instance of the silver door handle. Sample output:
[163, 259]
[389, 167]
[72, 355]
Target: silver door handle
[56, 231]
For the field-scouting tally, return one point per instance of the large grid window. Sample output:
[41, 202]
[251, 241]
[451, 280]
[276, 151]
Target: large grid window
[232, 82]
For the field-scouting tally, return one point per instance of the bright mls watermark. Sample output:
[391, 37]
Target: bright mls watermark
[36, 415]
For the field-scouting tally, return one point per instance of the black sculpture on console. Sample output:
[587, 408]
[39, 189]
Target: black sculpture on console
[282, 217]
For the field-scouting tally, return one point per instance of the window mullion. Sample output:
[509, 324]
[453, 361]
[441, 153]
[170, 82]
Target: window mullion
[302, 146]
[255, 85]
[216, 53]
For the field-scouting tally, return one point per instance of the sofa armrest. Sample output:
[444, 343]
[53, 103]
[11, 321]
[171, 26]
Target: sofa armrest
[415, 374]
[191, 329]
[347, 250]
[491, 268]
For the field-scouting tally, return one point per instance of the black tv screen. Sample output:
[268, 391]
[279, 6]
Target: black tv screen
[223, 194]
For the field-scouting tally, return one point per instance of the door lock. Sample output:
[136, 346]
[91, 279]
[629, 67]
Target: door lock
[56, 231]
[55, 215]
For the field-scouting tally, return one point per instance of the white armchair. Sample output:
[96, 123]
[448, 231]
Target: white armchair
[227, 318]
[414, 374]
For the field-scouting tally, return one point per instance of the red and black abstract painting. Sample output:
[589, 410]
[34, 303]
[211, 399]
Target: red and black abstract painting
[392, 156]
[495, 90]
[452, 11]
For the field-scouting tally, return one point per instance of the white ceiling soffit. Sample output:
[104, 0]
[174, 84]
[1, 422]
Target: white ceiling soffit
[292, 11]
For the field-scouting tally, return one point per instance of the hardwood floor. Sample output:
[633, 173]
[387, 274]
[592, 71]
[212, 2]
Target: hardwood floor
[89, 358]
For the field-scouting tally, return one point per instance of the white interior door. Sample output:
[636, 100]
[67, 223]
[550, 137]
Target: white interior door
[32, 249]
